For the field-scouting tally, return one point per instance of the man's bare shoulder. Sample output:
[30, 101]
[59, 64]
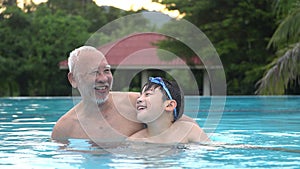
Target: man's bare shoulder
[70, 115]
[64, 124]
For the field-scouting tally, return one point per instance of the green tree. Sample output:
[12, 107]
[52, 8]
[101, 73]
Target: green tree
[14, 26]
[35, 39]
[119, 29]
[4, 3]
[284, 71]
[55, 34]
[98, 16]
[239, 30]
[31, 46]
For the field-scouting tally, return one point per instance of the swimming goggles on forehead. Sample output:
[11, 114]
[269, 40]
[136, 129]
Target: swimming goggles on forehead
[159, 81]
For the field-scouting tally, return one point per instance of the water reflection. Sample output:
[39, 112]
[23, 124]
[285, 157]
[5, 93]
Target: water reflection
[245, 138]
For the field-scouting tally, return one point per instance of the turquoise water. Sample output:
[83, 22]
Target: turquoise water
[253, 132]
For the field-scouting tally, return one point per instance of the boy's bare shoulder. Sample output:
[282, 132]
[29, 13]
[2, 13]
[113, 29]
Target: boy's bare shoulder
[184, 124]
[195, 132]
[187, 119]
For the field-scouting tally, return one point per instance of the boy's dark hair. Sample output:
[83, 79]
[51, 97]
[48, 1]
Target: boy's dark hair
[175, 91]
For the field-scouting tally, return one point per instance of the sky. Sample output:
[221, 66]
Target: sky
[126, 5]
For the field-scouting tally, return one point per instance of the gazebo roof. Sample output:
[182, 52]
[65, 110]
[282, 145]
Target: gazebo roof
[137, 51]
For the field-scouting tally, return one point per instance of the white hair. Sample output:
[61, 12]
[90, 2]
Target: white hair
[73, 57]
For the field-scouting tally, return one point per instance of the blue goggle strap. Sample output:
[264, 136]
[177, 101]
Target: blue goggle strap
[159, 81]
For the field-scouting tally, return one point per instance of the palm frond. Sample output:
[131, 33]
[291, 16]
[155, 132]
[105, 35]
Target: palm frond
[284, 70]
[283, 7]
[288, 31]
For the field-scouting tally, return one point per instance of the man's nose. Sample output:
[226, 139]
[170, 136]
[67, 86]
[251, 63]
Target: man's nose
[100, 77]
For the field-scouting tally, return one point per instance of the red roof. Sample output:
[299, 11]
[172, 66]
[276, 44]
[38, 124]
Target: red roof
[138, 51]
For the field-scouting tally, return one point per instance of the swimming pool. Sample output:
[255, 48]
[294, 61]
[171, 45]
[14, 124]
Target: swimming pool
[257, 132]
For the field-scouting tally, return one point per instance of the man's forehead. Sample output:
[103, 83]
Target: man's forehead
[93, 55]
[91, 62]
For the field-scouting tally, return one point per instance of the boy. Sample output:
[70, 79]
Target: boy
[160, 106]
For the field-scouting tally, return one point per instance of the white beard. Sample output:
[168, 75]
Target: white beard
[101, 101]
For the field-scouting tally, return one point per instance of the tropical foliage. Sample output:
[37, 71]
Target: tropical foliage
[284, 71]
[257, 40]
[36, 39]
[240, 32]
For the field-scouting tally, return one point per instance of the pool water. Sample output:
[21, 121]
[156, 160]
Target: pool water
[253, 132]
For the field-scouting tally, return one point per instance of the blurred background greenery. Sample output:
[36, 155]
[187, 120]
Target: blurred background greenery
[257, 41]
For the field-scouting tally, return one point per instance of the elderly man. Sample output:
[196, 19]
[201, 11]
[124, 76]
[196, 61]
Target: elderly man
[101, 115]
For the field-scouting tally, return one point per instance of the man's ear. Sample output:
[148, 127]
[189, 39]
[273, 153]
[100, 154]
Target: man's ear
[72, 80]
[171, 105]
